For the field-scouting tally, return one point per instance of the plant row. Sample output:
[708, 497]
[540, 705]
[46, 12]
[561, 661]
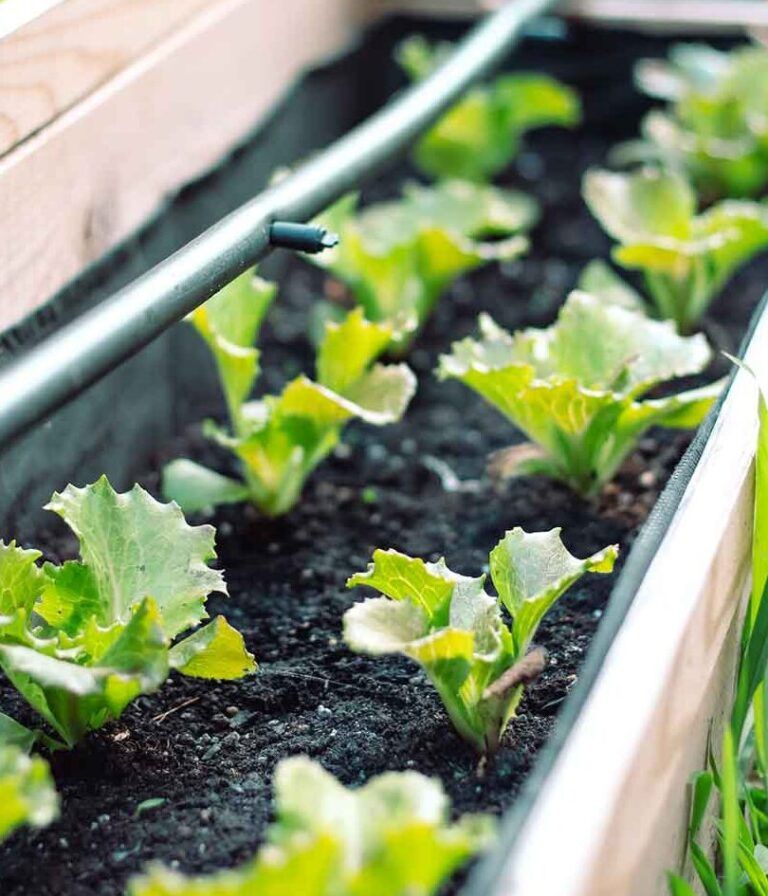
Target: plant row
[81, 640]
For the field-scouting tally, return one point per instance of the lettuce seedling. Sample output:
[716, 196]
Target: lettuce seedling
[454, 629]
[480, 135]
[575, 388]
[390, 837]
[686, 258]
[715, 127]
[229, 323]
[280, 439]
[398, 257]
[27, 794]
[82, 640]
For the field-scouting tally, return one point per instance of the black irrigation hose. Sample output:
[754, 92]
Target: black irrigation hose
[65, 364]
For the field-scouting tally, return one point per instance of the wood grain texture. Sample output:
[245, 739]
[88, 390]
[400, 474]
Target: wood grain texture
[63, 54]
[91, 177]
[616, 803]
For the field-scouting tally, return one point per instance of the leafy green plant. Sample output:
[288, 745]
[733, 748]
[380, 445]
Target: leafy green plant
[740, 776]
[454, 629]
[82, 640]
[398, 257]
[481, 134]
[686, 258]
[576, 388]
[715, 127]
[280, 439]
[229, 323]
[390, 837]
[27, 794]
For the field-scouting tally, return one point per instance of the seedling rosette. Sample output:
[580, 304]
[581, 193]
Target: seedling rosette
[82, 640]
[715, 127]
[481, 134]
[390, 837]
[686, 258]
[576, 389]
[280, 439]
[398, 257]
[455, 631]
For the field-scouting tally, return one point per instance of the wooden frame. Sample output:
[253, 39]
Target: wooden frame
[54, 54]
[614, 809]
[171, 108]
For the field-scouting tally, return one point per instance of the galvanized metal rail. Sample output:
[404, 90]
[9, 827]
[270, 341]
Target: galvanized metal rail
[35, 385]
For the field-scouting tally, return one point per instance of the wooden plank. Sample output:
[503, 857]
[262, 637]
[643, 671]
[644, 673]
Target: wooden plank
[82, 184]
[676, 15]
[613, 812]
[66, 51]
[706, 16]
[14, 14]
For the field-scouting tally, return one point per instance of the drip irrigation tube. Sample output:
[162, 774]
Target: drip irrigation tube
[64, 365]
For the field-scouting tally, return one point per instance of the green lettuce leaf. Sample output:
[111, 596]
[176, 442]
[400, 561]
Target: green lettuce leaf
[390, 837]
[215, 650]
[531, 571]
[575, 388]
[198, 489]
[481, 135]
[281, 439]
[14, 734]
[686, 257]
[398, 257]
[454, 629]
[715, 127]
[229, 323]
[600, 280]
[27, 794]
[308, 868]
[82, 640]
[21, 580]
[81, 694]
[135, 547]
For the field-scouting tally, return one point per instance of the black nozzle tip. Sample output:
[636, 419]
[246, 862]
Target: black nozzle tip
[301, 237]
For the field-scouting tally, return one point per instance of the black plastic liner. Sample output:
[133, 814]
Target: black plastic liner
[115, 425]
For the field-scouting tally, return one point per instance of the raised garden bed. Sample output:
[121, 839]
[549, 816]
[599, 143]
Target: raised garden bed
[418, 486]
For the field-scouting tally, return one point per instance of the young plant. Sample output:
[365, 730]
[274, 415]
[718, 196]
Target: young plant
[575, 388]
[27, 794]
[398, 257]
[82, 640]
[479, 136]
[280, 439]
[715, 127]
[454, 629]
[390, 837]
[686, 258]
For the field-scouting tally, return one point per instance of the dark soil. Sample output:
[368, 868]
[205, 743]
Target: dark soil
[209, 750]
